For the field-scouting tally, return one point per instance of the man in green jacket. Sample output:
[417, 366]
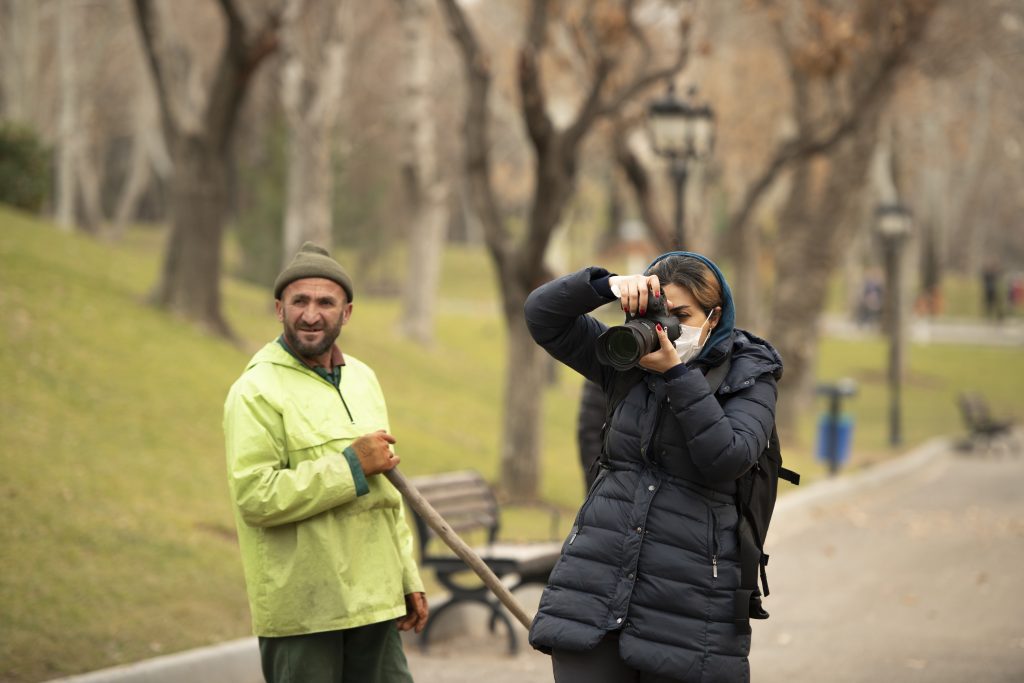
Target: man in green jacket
[327, 554]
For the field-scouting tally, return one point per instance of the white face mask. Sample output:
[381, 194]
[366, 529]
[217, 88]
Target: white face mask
[688, 344]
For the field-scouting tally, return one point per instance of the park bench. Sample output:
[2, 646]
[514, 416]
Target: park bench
[469, 506]
[981, 426]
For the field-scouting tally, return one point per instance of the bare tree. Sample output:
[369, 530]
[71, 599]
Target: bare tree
[149, 160]
[19, 49]
[426, 187]
[604, 32]
[647, 199]
[314, 70]
[842, 68]
[69, 138]
[199, 136]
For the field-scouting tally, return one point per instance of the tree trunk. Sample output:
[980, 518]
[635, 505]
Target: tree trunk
[200, 145]
[818, 222]
[149, 158]
[313, 75]
[89, 213]
[747, 286]
[520, 262]
[426, 188]
[308, 204]
[523, 400]
[69, 130]
[19, 69]
[190, 282]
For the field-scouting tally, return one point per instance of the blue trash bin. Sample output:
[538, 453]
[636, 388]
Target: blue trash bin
[835, 434]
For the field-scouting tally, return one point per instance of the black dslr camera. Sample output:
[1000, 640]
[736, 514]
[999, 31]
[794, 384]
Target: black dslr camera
[622, 346]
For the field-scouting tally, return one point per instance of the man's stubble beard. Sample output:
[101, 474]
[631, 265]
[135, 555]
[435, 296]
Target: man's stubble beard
[311, 351]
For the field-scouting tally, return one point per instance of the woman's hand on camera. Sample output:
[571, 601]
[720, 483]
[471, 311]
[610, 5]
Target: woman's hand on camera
[634, 290]
[664, 358]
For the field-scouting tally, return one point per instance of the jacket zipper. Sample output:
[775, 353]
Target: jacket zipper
[713, 545]
[577, 527]
[351, 419]
[337, 387]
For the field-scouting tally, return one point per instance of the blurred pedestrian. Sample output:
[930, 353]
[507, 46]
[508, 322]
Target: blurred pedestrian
[869, 306]
[991, 275]
[327, 554]
[1016, 292]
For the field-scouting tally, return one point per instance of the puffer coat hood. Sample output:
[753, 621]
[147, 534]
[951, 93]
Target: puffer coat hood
[653, 553]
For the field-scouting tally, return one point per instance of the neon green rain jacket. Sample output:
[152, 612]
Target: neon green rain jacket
[323, 546]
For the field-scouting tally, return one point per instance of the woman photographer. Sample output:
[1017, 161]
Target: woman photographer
[644, 589]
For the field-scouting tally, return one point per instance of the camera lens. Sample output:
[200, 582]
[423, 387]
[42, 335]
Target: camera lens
[621, 347]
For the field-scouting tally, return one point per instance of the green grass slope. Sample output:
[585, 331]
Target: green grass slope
[118, 542]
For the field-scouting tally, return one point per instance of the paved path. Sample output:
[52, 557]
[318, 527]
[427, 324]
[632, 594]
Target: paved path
[916, 577]
[942, 331]
[910, 571]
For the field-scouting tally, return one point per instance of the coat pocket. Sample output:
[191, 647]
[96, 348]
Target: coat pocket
[314, 443]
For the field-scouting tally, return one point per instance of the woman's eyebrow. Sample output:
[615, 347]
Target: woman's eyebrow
[680, 308]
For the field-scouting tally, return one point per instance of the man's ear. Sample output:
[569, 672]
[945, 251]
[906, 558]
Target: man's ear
[279, 310]
[346, 313]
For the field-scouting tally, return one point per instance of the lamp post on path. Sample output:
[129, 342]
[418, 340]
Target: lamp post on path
[681, 131]
[893, 224]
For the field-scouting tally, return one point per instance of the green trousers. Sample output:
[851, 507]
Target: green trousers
[368, 654]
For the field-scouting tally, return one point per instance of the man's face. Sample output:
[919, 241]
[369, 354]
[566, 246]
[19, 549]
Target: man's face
[313, 310]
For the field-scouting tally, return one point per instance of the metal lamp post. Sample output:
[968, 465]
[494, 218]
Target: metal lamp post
[893, 224]
[681, 131]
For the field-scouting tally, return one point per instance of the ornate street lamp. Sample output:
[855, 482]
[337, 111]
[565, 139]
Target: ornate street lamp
[893, 224]
[681, 131]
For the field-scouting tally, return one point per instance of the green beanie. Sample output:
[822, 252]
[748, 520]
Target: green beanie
[313, 261]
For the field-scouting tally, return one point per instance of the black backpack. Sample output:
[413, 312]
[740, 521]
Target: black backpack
[756, 491]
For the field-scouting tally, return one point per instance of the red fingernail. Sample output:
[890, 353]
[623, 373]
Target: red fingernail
[659, 327]
[657, 294]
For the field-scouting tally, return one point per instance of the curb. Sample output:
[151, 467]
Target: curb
[831, 489]
[238, 661]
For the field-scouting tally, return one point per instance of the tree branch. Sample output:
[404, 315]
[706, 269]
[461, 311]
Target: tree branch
[806, 144]
[636, 174]
[644, 80]
[234, 18]
[477, 155]
[144, 12]
[239, 60]
[538, 124]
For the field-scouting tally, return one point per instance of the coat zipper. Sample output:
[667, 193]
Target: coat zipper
[337, 387]
[714, 542]
[351, 419]
[577, 526]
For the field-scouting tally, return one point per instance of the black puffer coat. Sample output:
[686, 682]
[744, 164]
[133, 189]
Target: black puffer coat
[653, 551]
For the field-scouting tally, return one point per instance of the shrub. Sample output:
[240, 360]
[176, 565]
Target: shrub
[24, 168]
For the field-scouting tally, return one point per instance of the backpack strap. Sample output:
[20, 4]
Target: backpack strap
[746, 599]
[789, 475]
[622, 384]
[716, 375]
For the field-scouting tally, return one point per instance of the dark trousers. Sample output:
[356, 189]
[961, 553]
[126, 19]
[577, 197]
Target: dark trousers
[368, 654]
[599, 665]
